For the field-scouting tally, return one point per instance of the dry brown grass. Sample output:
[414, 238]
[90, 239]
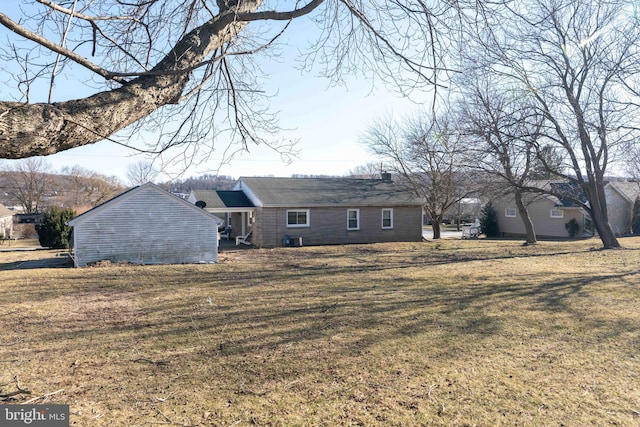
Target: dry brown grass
[460, 333]
[10, 244]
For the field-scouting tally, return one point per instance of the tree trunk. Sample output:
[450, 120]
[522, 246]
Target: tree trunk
[603, 228]
[40, 129]
[436, 221]
[596, 196]
[605, 232]
[526, 219]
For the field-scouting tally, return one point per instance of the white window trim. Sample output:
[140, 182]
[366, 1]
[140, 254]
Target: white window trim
[508, 214]
[389, 227]
[357, 211]
[551, 213]
[286, 218]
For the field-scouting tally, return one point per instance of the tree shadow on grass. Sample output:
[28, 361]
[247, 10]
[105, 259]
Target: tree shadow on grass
[258, 316]
[300, 299]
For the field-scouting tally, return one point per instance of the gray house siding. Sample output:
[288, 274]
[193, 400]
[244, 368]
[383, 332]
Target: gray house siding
[146, 227]
[264, 220]
[620, 211]
[327, 201]
[540, 214]
[328, 225]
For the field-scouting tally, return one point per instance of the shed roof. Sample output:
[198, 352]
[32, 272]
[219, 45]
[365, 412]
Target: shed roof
[105, 206]
[317, 192]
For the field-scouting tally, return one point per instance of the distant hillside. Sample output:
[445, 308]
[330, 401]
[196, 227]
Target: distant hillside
[79, 189]
[203, 182]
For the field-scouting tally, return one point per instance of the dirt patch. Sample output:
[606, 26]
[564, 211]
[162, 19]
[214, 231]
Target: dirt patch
[105, 263]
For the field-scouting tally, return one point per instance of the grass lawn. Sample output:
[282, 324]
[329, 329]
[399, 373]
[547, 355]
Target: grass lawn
[31, 243]
[448, 333]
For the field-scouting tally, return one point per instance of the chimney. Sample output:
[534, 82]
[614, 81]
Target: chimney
[386, 176]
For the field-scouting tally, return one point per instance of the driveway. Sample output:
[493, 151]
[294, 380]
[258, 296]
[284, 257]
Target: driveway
[427, 233]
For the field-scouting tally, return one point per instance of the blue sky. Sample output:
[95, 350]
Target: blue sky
[327, 121]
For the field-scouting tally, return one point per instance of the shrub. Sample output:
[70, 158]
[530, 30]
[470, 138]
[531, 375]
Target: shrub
[489, 221]
[572, 227]
[53, 231]
[635, 220]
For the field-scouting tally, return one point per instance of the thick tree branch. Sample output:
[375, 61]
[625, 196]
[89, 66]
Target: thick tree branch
[273, 15]
[41, 129]
[138, 33]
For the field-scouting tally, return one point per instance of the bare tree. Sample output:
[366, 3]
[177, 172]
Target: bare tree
[84, 188]
[191, 69]
[548, 162]
[428, 156]
[501, 131]
[370, 170]
[141, 172]
[578, 62]
[202, 182]
[29, 182]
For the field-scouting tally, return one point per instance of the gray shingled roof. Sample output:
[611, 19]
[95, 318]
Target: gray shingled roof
[629, 189]
[210, 197]
[314, 192]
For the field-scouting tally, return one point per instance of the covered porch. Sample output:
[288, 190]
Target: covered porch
[230, 246]
[237, 222]
[233, 207]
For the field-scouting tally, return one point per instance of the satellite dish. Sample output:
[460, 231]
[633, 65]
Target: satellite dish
[201, 204]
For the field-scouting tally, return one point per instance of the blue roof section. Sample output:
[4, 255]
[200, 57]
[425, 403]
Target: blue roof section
[234, 199]
[222, 199]
[568, 193]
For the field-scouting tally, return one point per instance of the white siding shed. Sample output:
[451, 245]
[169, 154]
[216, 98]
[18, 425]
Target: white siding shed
[145, 225]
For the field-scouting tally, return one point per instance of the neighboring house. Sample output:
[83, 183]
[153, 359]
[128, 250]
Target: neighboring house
[321, 211]
[6, 222]
[549, 215]
[23, 218]
[621, 196]
[232, 206]
[316, 211]
[145, 225]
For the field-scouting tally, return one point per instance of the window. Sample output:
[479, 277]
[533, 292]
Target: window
[353, 219]
[387, 218]
[557, 213]
[510, 213]
[298, 218]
